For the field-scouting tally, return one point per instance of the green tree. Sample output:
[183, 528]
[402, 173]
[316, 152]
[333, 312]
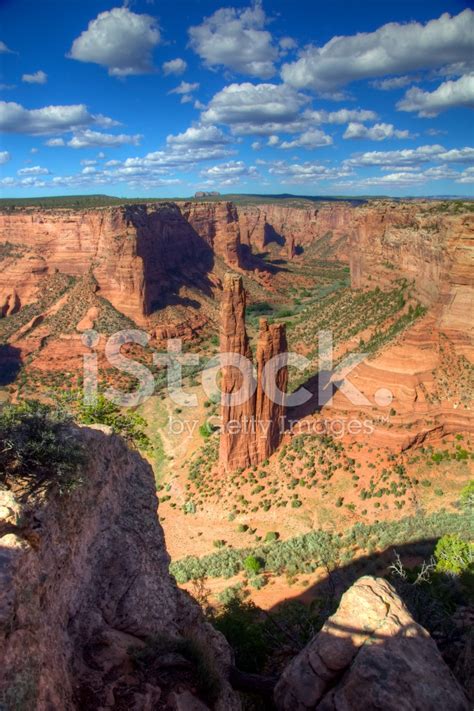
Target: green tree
[453, 554]
[39, 450]
[253, 565]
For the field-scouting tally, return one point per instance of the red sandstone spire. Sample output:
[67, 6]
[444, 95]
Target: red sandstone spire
[251, 430]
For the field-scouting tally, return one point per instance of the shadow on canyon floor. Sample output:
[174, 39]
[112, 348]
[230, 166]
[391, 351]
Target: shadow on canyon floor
[320, 390]
[292, 622]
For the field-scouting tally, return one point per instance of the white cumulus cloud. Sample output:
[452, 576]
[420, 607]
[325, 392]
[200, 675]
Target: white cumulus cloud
[185, 87]
[38, 77]
[377, 132]
[199, 136]
[33, 170]
[87, 138]
[236, 39]
[393, 82]
[120, 40]
[448, 95]
[174, 66]
[313, 138]
[55, 142]
[394, 48]
[256, 108]
[14, 118]
[4, 157]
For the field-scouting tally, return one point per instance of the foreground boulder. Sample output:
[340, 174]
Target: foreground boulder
[83, 580]
[370, 654]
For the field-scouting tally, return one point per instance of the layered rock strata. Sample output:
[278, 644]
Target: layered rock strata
[252, 412]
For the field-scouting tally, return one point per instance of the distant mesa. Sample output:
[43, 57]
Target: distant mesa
[203, 193]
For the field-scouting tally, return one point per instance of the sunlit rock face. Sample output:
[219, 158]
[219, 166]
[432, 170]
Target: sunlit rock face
[251, 428]
[370, 654]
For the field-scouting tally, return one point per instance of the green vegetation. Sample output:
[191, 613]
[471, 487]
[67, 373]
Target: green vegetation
[39, 450]
[467, 497]
[305, 553]
[454, 555]
[253, 565]
[239, 623]
[128, 424]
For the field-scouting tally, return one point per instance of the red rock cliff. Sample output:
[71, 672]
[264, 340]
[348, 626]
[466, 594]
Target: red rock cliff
[138, 254]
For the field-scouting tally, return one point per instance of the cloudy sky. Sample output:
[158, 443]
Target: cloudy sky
[165, 98]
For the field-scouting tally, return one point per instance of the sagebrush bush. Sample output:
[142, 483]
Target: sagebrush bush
[39, 450]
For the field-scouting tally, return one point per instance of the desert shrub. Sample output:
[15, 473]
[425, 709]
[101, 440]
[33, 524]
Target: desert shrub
[467, 497]
[271, 536]
[39, 450]
[258, 582]
[129, 424]
[454, 555]
[253, 565]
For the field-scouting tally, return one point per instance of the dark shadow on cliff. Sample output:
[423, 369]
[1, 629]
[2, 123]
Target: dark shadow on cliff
[261, 261]
[174, 256]
[10, 363]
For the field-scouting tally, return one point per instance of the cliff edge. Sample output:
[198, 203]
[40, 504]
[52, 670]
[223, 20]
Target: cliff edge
[83, 580]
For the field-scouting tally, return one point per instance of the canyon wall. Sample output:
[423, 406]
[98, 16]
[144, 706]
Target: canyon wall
[433, 249]
[252, 412]
[142, 255]
[83, 578]
[139, 255]
[294, 228]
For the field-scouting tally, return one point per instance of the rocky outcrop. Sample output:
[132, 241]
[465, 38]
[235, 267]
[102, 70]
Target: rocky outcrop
[84, 578]
[369, 655]
[252, 412]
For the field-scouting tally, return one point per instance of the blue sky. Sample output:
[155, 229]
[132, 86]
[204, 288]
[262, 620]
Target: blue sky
[148, 98]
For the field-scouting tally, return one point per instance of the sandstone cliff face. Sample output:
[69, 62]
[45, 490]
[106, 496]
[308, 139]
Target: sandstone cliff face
[218, 225]
[370, 654]
[252, 428]
[139, 255]
[89, 581]
[272, 381]
[435, 250]
[293, 228]
[237, 446]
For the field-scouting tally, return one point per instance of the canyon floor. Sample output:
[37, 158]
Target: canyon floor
[405, 450]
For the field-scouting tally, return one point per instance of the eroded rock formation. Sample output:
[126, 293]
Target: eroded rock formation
[237, 447]
[272, 381]
[84, 579]
[370, 654]
[253, 420]
[140, 255]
